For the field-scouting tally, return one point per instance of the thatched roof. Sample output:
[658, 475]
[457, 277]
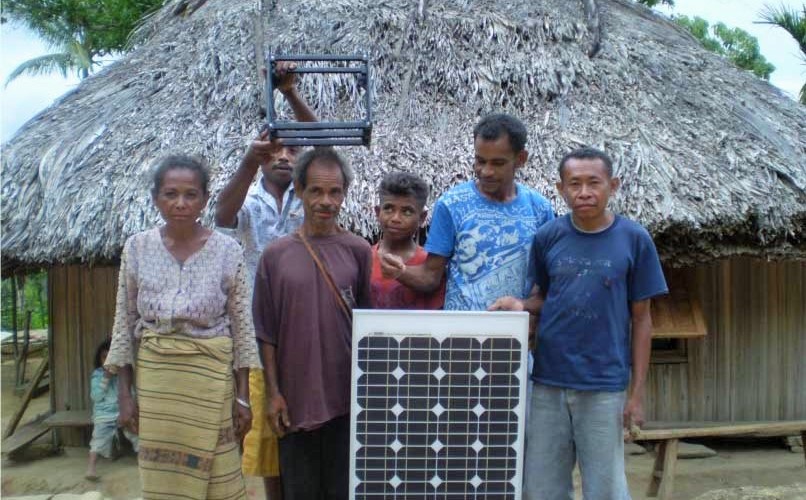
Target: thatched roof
[711, 157]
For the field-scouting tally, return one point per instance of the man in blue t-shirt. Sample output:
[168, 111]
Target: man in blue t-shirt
[596, 273]
[482, 230]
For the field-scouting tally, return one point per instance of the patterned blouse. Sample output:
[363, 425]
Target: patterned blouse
[206, 296]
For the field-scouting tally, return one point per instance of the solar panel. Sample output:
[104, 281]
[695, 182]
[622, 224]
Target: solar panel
[438, 404]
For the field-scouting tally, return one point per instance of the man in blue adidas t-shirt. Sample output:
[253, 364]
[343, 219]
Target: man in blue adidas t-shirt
[596, 272]
[482, 230]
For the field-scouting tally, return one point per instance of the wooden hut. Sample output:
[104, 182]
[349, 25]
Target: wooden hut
[711, 158]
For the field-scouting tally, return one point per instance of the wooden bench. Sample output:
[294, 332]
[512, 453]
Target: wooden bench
[24, 436]
[669, 434]
[32, 431]
[69, 418]
[64, 419]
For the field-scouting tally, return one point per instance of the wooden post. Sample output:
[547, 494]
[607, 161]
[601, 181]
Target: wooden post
[259, 41]
[803, 444]
[16, 348]
[661, 484]
[669, 465]
[21, 358]
[657, 470]
[40, 372]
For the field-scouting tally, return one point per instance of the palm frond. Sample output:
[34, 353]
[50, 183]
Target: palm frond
[789, 19]
[42, 65]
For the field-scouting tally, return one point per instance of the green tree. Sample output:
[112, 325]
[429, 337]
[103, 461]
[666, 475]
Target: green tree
[31, 297]
[794, 22]
[79, 32]
[734, 43]
[652, 3]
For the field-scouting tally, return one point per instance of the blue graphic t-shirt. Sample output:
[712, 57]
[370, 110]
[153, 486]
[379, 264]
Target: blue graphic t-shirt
[588, 281]
[487, 244]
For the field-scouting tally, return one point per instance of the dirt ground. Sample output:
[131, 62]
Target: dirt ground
[739, 463]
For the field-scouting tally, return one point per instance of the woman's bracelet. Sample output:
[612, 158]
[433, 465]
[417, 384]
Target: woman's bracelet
[243, 403]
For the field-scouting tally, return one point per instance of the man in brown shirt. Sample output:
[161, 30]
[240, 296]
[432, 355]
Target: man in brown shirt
[305, 332]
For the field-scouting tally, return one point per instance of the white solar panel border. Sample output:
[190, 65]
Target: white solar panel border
[440, 325]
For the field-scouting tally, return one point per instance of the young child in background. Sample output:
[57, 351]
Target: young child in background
[401, 213]
[104, 395]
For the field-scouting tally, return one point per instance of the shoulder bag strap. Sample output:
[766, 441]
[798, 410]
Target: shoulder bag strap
[328, 278]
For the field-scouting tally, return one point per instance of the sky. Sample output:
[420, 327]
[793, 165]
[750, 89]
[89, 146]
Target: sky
[776, 45]
[26, 96]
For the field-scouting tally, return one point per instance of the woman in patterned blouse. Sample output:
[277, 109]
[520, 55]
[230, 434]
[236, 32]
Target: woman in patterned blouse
[184, 306]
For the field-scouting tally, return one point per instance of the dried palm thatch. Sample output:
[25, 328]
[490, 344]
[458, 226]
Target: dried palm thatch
[711, 158]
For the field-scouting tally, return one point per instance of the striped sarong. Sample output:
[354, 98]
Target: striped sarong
[187, 441]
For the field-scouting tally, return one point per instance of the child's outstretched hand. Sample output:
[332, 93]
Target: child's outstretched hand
[392, 266]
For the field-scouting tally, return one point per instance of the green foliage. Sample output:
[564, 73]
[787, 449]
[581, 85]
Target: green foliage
[794, 22]
[33, 297]
[43, 65]
[734, 43]
[79, 31]
[789, 19]
[652, 3]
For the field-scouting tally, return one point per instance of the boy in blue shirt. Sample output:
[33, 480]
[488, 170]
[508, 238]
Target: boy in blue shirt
[596, 273]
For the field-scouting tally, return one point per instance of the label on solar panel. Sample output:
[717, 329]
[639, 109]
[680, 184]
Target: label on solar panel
[438, 403]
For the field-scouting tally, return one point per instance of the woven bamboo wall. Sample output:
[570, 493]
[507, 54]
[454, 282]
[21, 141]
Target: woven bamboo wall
[750, 366]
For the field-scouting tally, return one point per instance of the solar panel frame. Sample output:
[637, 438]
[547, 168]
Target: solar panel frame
[442, 330]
